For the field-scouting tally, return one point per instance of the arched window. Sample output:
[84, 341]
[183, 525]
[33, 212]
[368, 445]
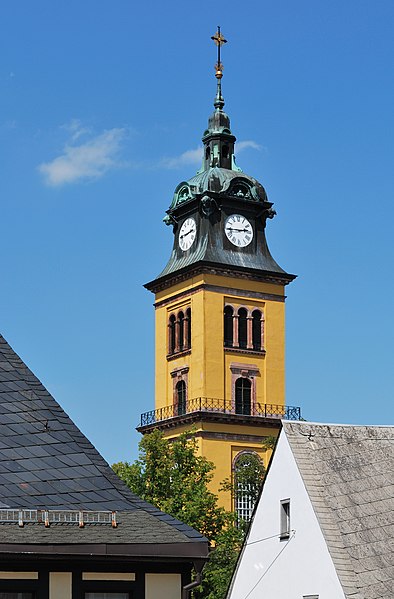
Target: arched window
[256, 330]
[171, 335]
[181, 332]
[228, 326]
[180, 390]
[188, 340]
[242, 328]
[248, 472]
[243, 396]
[225, 151]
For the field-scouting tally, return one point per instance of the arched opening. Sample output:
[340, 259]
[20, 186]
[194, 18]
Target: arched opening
[188, 328]
[180, 391]
[225, 151]
[256, 330]
[207, 153]
[171, 335]
[248, 472]
[181, 332]
[242, 328]
[243, 396]
[228, 326]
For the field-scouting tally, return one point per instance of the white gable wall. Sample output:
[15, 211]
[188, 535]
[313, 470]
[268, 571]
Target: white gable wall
[285, 569]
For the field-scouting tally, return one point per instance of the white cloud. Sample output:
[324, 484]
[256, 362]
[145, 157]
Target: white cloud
[243, 145]
[188, 157]
[75, 128]
[194, 157]
[88, 160]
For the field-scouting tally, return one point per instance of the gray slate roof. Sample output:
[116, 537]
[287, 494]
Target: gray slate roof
[348, 472]
[137, 526]
[47, 463]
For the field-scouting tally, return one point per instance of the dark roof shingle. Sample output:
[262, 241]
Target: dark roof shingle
[47, 463]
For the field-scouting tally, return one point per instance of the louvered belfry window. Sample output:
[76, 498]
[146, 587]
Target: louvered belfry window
[180, 332]
[242, 328]
[228, 326]
[256, 330]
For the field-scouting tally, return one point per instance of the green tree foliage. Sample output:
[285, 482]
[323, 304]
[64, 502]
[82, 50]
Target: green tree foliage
[247, 479]
[248, 475]
[174, 478]
[218, 571]
[269, 442]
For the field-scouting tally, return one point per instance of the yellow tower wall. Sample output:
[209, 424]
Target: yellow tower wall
[211, 369]
[220, 443]
[208, 362]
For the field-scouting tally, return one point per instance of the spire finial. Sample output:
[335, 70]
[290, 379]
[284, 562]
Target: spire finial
[219, 41]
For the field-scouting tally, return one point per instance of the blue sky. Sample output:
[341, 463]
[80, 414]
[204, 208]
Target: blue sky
[102, 108]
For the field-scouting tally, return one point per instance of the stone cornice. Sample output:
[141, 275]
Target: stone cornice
[223, 290]
[188, 272]
[194, 417]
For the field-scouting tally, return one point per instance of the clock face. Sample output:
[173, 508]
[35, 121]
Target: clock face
[187, 234]
[238, 230]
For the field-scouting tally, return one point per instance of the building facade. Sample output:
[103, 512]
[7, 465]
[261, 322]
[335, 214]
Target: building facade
[69, 527]
[220, 311]
[323, 525]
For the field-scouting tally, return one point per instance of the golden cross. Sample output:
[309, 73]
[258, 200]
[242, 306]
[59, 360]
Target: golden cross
[219, 41]
[218, 38]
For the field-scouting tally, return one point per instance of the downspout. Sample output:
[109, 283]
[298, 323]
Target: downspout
[198, 566]
[186, 589]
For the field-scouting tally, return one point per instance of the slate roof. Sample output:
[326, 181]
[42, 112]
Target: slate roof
[348, 472]
[47, 463]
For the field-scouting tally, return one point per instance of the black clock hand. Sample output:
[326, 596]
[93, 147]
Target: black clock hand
[186, 234]
[238, 230]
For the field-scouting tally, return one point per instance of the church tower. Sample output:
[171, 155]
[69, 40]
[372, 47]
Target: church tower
[220, 312]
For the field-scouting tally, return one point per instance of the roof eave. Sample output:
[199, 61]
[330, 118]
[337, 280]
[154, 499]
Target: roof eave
[152, 551]
[165, 281]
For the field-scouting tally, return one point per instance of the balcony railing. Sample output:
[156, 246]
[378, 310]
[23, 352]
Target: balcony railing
[219, 406]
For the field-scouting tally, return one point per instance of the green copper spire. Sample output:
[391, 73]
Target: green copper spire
[217, 139]
[219, 41]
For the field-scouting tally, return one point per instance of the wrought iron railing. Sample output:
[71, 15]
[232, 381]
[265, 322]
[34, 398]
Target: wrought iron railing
[219, 406]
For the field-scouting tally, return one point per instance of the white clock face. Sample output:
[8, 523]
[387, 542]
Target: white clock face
[238, 230]
[187, 234]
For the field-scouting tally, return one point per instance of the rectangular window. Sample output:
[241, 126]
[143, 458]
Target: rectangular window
[285, 518]
[310, 597]
[16, 595]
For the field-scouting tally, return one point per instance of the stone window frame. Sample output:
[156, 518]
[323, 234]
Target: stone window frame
[180, 373]
[249, 344]
[247, 371]
[181, 314]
